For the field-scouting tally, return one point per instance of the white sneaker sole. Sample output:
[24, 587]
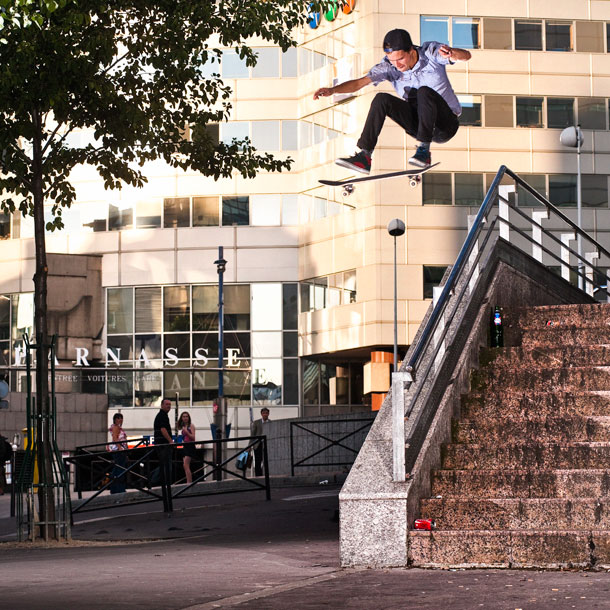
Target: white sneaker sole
[418, 163]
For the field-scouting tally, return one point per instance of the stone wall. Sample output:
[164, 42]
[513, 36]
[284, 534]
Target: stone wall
[81, 418]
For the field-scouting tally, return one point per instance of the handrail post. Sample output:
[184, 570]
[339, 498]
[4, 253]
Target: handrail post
[538, 217]
[503, 209]
[566, 238]
[399, 380]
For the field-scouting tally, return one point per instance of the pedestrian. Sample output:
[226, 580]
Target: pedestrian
[258, 429]
[188, 431]
[427, 107]
[6, 452]
[118, 447]
[163, 443]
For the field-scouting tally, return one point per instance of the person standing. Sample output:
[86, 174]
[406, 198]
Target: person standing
[188, 431]
[163, 442]
[427, 107]
[258, 429]
[118, 448]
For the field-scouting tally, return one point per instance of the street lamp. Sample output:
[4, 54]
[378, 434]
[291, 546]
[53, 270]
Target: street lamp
[396, 228]
[572, 137]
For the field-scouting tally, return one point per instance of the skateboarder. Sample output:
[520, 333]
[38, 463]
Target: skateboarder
[427, 108]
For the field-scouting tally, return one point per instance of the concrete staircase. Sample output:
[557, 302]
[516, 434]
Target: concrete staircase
[526, 479]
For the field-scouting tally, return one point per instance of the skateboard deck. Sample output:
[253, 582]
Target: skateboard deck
[412, 173]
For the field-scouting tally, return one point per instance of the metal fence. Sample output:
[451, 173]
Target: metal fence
[140, 468]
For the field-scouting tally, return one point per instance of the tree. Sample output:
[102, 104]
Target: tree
[132, 73]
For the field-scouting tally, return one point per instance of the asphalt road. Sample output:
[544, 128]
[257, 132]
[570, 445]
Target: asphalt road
[239, 550]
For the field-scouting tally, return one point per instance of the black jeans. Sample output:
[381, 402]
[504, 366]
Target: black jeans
[425, 115]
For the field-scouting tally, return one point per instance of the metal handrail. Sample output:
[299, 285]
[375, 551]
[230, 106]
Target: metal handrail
[468, 245]
[461, 274]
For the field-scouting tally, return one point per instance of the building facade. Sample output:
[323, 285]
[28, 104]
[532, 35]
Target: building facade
[309, 276]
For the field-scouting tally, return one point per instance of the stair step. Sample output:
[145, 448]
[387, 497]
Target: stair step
[522, 483]
[544, 429]
[566, 335]
[518, 379]
[517, 513]
[549, 549]
[521, 403]
[577, 315]
[538, 356]
[532, 455]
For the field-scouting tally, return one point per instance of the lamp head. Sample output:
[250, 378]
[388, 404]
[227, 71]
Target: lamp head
[396, 227]
[572, 137]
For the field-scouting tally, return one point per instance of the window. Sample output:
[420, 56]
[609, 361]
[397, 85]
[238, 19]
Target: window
[266, 306]
[291, 382]
[558, 35]
[205, 212]
[290, 135]
[433, 275]
[266, 135]
[266, 381]
[559, 112]
[497, 33]
[529, 112]
[205, 308]
[266, 210]
[176, 212]
[524, 197]
[148, 310]
[120, 311]
[176, 308]
[594, 191]
[148, 214]
[120, 216]
[233, 66]
[460, 32]
[235, 211]
[289, 63]
[498, 111]
[267, 64]
[434, 28]
[592, 112]
[305, 134]
[290, 209]
[528, 35]
[5, 225]
[237, 307]
[562, 190]
[289, 306]
[589, 37]
[465, 33]
[436, 188]
[94, 216]
[471, 110]
[469, 189]
[237, 130]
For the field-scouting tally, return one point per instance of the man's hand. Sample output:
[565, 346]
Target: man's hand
[323, 92]
[452, 54]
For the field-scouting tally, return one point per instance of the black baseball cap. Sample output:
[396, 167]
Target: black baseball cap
[397, 40]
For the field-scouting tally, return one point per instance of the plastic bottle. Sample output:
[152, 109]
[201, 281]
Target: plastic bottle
[497, 331]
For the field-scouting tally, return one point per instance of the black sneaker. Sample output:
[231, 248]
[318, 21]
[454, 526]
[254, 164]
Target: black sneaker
[360, 162]
[421, 158]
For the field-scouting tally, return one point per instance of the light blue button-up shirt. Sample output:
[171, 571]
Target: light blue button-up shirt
[429, 71]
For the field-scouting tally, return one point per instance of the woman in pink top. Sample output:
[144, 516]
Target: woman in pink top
[118, 447]
[187, 429]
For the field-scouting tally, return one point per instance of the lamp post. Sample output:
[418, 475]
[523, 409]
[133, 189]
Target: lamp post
[220, 411]
[396, 228]
[573, 138]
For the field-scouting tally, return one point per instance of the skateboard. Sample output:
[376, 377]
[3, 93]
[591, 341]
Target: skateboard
[348, 185]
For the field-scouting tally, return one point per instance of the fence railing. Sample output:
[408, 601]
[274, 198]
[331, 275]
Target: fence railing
[141, 468]
[332, 445]
[537, 228]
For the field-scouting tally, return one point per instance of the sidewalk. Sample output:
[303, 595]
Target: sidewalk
[239, 550]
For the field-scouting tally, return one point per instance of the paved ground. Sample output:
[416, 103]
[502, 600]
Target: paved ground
[238, 550]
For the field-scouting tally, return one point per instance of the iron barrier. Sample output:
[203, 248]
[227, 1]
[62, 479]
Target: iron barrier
[140, 468]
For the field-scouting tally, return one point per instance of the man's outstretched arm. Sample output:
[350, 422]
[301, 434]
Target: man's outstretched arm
[349, 86]
[454, 54]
